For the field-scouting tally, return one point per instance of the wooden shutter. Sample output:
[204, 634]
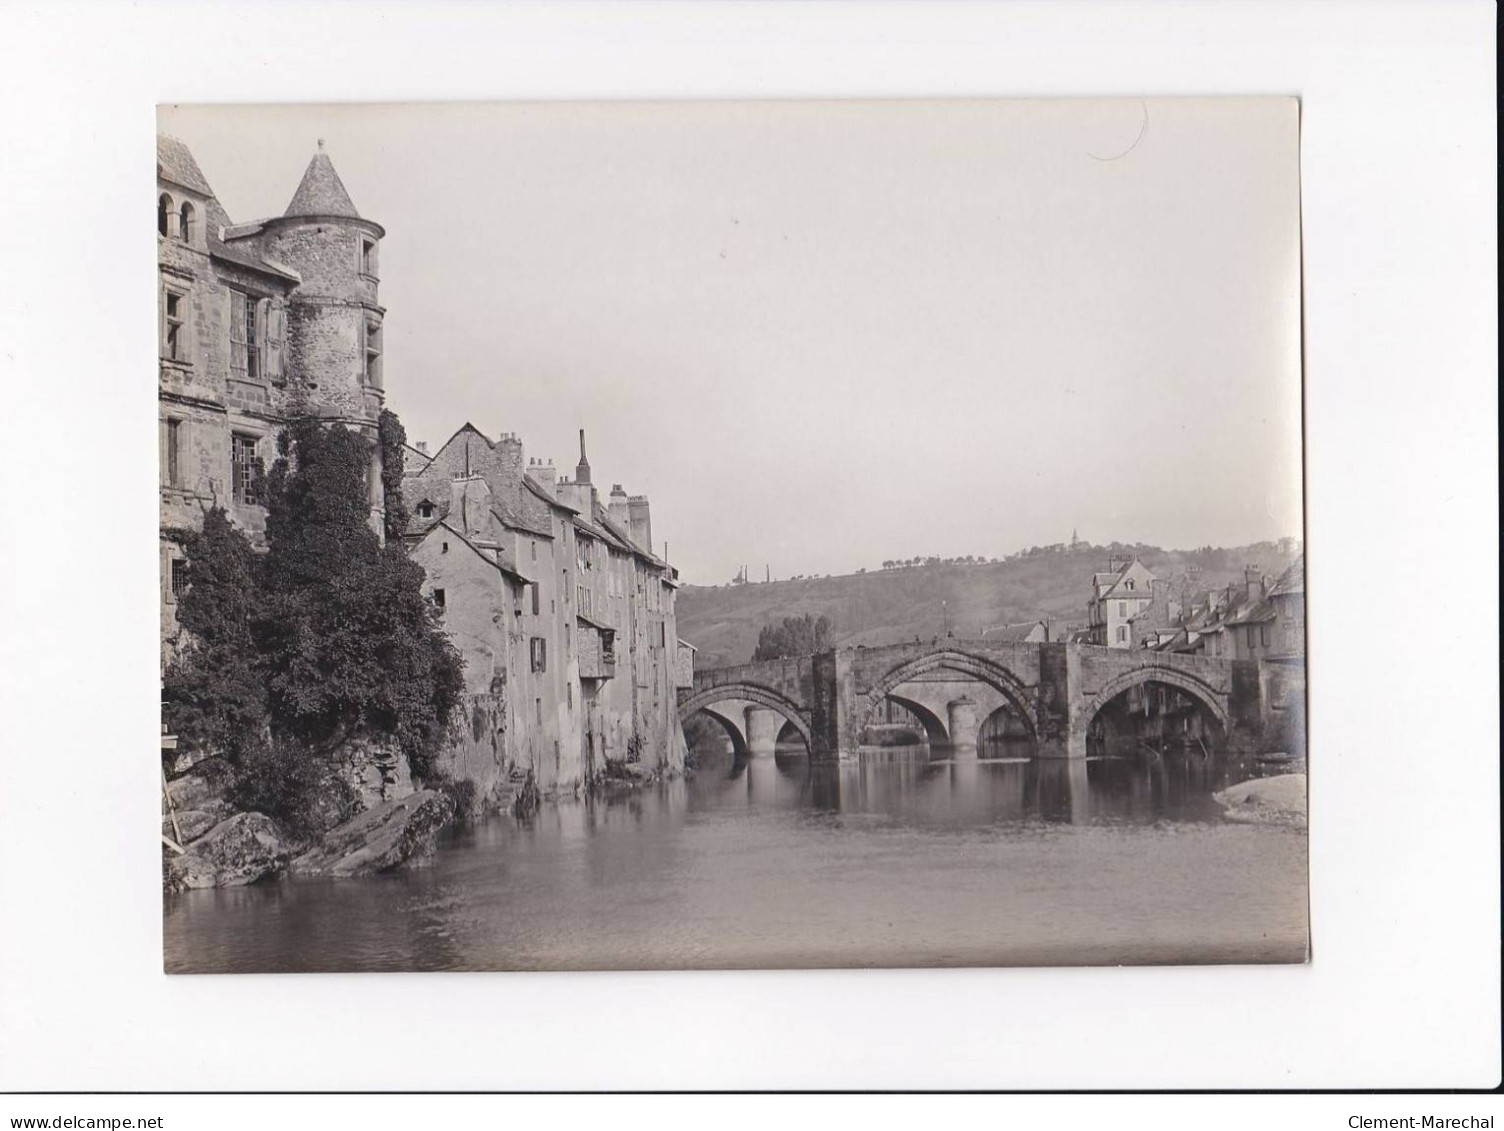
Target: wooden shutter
[237, 335]
[273, 321]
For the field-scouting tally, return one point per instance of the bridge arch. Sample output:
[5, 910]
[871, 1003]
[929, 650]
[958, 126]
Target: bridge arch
[1198, 689]
[999, 678]
[934, 727]
[733, 731]
[751, 693]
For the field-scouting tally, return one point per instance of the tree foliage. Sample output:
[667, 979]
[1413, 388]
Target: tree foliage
[794, 636]
[324, 640]
[213, 691]
[391, 438]
[352, 647]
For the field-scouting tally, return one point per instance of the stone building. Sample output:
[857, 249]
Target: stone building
[1118, 594]
[563, 614]
[257, 322]
[556, 600]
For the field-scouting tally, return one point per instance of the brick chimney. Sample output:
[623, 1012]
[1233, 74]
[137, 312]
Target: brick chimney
[640, 524]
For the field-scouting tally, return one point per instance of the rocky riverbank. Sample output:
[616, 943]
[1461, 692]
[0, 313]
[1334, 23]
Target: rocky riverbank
[224, 848]
[1279, 800]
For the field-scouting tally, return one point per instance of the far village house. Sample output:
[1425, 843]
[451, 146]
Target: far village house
[1118, 594]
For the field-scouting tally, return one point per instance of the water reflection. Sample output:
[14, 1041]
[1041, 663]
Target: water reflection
[894, 859]
[909, 784]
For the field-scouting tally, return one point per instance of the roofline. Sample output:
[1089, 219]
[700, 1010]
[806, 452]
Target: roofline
[503, 567]
[543, 493]
[194, 189]
[528, 530]
[261, 266]
[326, 218]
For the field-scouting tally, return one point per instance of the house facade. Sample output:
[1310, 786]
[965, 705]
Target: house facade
[561, 610]
[1118, 594]
[257, 323]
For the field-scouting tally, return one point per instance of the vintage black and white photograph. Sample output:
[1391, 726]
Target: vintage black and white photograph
[651, 535]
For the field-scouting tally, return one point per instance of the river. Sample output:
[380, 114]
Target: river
[894, 861]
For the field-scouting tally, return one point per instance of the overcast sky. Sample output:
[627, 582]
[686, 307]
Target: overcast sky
[821, 335]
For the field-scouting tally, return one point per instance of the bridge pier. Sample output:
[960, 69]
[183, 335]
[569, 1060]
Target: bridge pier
[763, 726]
[962, 717]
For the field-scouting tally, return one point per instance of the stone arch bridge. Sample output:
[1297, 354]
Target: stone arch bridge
[1055, 690]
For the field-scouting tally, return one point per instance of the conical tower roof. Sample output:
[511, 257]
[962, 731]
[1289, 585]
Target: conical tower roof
[321, 192]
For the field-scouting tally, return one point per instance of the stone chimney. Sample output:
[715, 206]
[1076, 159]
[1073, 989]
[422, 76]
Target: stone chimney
[582, 469]
[544, 473]
[640, 523]
[470, 506]
[1253, 582]
[617, 507]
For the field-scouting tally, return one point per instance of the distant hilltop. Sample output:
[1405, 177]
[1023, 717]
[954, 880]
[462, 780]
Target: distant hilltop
[967, 597]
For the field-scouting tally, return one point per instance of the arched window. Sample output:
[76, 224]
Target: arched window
[1130, 583]
[185, 224]
[164, 210]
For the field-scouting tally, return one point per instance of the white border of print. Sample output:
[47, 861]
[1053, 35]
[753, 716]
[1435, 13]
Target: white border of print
[1400, 243]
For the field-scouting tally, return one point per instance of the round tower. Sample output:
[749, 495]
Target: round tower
[333, 337]
[332, 343]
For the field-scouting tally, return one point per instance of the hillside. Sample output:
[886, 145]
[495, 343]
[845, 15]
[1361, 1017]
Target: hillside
[892, 605]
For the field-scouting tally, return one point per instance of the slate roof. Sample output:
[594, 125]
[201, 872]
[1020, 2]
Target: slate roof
[1013, 632]
[242, 252]
[1259, 612]
[511, 519]
[545, 494]
[496, 558]
[1112, 590]
[1293, 580]
[321, 192]
[175, 163]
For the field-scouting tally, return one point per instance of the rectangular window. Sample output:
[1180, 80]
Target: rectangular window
[1122, 608]
[174, 455]
[174, 335]
[1264, 635]
[243, 467]
[534, 588]
[368, 257]
[438, 599]
[538, 651]
[252, 341]
[178, 577]
[534, 547]
[1250, 637]
[565, 574]
[538, 708]
[569, 695]
[373, 354]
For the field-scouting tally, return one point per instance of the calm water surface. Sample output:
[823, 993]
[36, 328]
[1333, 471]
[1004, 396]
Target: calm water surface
[891, 862]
